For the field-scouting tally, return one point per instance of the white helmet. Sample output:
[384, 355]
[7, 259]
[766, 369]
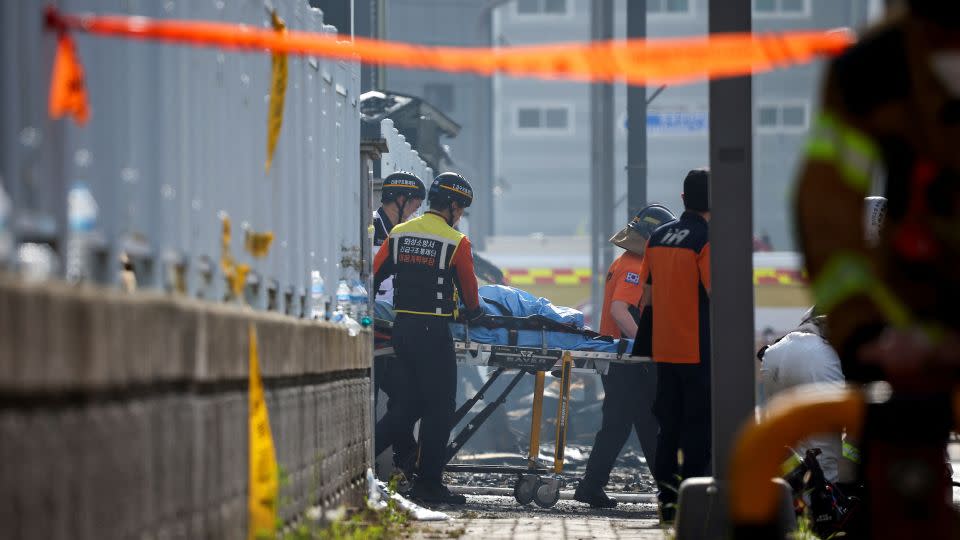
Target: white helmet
[874, 212]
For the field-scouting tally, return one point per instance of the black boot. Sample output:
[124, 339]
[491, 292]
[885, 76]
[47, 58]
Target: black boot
[667, 512]
[430, 493]
[593, 495]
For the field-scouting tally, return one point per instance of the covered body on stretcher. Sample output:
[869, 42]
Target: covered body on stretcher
[526, 335]
[522, 331]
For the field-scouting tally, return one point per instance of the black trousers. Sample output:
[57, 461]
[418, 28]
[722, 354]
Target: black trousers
[682, 407]
[427, 370]
[385, 378]
[629, 391]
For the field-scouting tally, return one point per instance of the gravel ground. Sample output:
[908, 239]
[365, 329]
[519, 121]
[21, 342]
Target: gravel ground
[492, 516]
[630, 473]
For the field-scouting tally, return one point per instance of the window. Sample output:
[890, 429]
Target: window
[528, 118]
[440, 95]
[541, 7]
[547, 119]
[669, 7]
[781, 8]
[793, 116]
[782, 117]
[555, 118]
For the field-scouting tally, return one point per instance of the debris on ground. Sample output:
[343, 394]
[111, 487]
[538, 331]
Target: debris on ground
[381, 497]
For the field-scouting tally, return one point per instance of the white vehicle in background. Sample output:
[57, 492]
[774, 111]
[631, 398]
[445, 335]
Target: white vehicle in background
[780, 293]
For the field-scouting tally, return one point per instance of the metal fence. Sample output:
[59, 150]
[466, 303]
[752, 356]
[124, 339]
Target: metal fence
[176, 141]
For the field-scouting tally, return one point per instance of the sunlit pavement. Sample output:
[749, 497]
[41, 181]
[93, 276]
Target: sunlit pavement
[493, 517]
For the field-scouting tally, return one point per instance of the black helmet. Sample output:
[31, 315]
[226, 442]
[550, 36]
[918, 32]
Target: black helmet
[402, 183]
[449, 187]
[649, 218]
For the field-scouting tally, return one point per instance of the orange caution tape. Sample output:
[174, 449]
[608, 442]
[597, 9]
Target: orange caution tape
[632, 61]
[68, 91]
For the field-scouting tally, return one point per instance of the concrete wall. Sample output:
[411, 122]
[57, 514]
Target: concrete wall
[125, 416]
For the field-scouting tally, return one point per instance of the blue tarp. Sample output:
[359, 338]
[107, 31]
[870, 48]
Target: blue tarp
[518, 303]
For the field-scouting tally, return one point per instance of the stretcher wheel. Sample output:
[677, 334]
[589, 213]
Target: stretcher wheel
[548, 493]
[525, 489]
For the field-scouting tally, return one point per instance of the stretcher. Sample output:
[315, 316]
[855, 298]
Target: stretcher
[536, 482]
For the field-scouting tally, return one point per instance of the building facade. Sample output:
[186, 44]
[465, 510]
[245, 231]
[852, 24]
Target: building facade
[467, 99]
[542, 129]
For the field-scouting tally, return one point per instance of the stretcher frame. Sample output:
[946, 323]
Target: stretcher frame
[535, 482]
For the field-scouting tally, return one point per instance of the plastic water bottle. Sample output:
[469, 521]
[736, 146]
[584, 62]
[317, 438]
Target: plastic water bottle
[358, 300]
[343, 301]
[82, 213]
[353, 327]
[317, 295]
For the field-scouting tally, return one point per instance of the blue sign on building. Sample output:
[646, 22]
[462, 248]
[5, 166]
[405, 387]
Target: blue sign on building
[675, 123]
[678, 123]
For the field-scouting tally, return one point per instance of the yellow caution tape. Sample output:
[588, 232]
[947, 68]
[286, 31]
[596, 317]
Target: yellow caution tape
[236, 274]
[257, 244]
[264, 473]
[278, 92]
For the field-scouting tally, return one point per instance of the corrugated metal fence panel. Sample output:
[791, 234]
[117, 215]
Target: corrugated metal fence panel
[177, 139]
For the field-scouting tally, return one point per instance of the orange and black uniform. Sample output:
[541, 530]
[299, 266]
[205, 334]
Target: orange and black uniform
[677, 268]
[429, 259]
[628, 388]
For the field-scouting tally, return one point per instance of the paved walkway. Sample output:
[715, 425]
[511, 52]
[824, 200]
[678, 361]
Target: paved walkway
[492, 518]
[553, 528]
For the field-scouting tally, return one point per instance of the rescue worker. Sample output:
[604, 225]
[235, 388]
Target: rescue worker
[891, 104]
[891, 108]
[429, 259]
[400, 198]
[628, 389]
[805, 356]
[676, 274]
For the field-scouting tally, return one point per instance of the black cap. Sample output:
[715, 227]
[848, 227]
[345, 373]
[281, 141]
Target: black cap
[696, 190]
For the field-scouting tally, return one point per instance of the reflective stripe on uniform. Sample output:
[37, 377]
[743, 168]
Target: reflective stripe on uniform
[790, 464]
[847, 275]
[437, 313]
[846, 147]
[851, 452]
